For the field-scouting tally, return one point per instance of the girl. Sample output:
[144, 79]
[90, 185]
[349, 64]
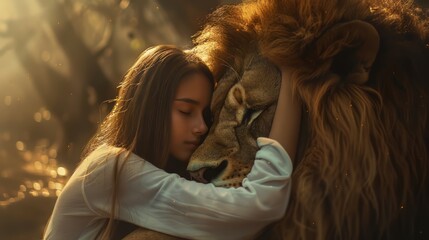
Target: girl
[160, 118]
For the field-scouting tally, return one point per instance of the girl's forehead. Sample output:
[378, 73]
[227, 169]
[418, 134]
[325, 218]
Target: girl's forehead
[195, 88]
[194, 82]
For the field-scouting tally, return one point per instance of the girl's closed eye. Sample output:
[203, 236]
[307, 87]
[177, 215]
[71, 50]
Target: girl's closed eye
[185, 112]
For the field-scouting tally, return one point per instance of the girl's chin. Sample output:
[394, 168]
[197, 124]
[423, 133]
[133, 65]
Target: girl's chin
[184, 157]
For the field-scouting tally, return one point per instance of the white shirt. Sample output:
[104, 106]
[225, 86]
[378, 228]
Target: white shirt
[154, 199]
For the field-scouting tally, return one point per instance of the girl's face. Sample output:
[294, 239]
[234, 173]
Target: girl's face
[191, 102]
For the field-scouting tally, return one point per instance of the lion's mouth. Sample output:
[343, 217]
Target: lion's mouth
[237, 182]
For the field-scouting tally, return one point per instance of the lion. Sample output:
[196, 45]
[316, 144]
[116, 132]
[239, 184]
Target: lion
[361, 73]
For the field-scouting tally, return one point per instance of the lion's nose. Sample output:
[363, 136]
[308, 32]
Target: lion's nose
[207, 174]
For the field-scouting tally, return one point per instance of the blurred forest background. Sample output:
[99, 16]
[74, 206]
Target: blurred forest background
[60, 63]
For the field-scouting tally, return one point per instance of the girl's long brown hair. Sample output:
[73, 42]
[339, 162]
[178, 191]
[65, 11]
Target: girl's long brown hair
[140, 121]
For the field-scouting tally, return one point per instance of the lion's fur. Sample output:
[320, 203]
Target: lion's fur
[362, 170]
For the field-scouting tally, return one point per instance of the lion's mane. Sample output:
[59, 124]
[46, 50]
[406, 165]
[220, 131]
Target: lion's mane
[362, 167]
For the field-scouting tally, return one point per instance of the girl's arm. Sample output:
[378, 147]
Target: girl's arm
[287, 119]
[153, 199]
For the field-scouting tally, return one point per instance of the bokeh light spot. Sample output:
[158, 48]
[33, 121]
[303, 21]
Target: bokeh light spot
[62, 171]
[124, 4]
[20, 146]
[7, 100]
[37, 186]
[46, 114]
[37, 117]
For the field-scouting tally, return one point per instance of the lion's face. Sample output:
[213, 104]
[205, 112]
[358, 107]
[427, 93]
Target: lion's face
[243, 107]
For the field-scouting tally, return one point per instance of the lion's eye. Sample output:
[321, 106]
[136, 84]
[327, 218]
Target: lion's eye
[247, 116]
[250, 115]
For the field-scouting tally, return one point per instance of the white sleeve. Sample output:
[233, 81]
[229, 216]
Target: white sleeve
[167, 203]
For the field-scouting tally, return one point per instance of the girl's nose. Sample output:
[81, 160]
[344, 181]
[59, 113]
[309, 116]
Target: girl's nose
[201, 127]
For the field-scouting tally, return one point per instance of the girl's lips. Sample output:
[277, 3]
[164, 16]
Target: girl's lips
[194, 144]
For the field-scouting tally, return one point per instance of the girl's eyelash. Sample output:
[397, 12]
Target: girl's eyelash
[186, 113]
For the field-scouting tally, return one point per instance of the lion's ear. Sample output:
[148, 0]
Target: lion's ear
[351, 49]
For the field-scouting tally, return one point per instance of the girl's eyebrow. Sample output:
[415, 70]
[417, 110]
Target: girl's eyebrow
[187, 100]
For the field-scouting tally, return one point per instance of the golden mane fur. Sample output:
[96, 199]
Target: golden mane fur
[362, 169]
